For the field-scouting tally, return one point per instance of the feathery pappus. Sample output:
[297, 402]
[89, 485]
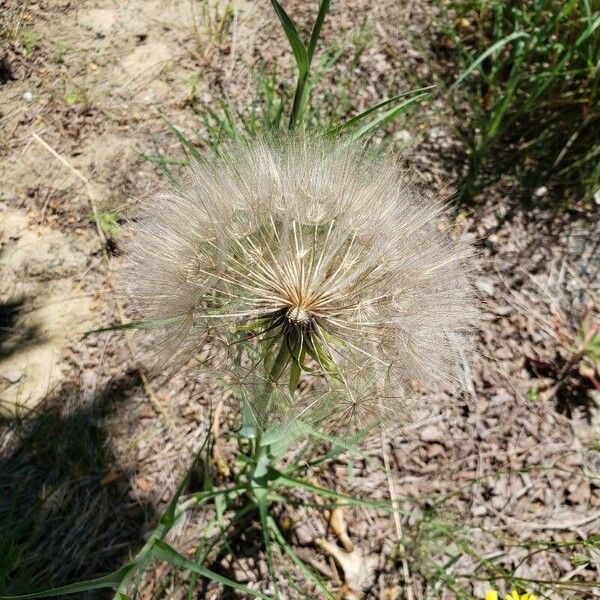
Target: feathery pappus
[318, 255]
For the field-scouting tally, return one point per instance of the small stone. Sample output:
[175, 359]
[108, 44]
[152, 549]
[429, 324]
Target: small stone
[303, 535]
[580, 494]
[503, 311]
[12, 375]
[403, 135]
[28, 97]
[485, 286]
[498, 502]
[437, 132]
[88, 379]
[501, 397]
[431, 433]
[541, 192]
[146, 412]
[242, 575]
[142, 485]
[504, 353]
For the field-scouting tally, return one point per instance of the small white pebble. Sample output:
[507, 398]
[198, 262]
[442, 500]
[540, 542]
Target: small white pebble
[28, 97]
[403, 135]
[431, 433]
[437, 132]
[541, 192]
[12, 375]
[485, 286]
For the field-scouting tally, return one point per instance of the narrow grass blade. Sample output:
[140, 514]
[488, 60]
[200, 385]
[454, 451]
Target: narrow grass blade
[316, 32]
[558, 70]
[161, 160]
[164, 162]
[112, 580]
[300, 54]
[306, 570]
[515, 35]
[186, 144]
[593, 154]
[137, 325]
[298, 483]
[390, 115]
[376, 107]
[169, 517]
[162, 551]
[261, 497]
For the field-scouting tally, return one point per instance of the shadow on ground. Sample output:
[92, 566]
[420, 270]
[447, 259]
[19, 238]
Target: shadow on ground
[65, 510]
[13, 336]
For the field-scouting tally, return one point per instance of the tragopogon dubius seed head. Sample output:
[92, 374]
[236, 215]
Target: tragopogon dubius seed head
[322, 262]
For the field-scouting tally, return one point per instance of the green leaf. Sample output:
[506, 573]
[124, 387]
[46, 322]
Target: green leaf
[300, 53]
[261, 496]
[316, 32]
[579, 559]
[590, 30]
[112, 580]
[295, 372]
[515, 35]
[306, 570]
[137, 325]
[386, 117]
[162, 551]
[72, 98]
[374, 108]
[296, 369]
[163, 160]
[299, 483]
[316, 351]
[109, 223]
[185, 143]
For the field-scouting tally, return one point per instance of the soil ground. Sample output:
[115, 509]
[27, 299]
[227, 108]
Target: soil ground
[90, 452]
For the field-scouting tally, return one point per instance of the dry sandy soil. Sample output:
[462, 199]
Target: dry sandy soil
[90, 452]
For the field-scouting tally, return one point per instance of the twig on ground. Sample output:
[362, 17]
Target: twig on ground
[557, 525]
[397, 521]
[86, 181]
[150, 393]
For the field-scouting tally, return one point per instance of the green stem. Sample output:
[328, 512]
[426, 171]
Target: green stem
[299, 102]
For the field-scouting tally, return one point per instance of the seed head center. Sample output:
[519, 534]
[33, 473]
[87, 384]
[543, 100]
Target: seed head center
[298, 315]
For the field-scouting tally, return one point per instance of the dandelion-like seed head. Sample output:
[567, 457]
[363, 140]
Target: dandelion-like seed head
[321, 262]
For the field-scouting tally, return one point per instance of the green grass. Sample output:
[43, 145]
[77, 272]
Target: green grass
[526, 90]
[29, 40]
[60, 49]
[109, 223]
